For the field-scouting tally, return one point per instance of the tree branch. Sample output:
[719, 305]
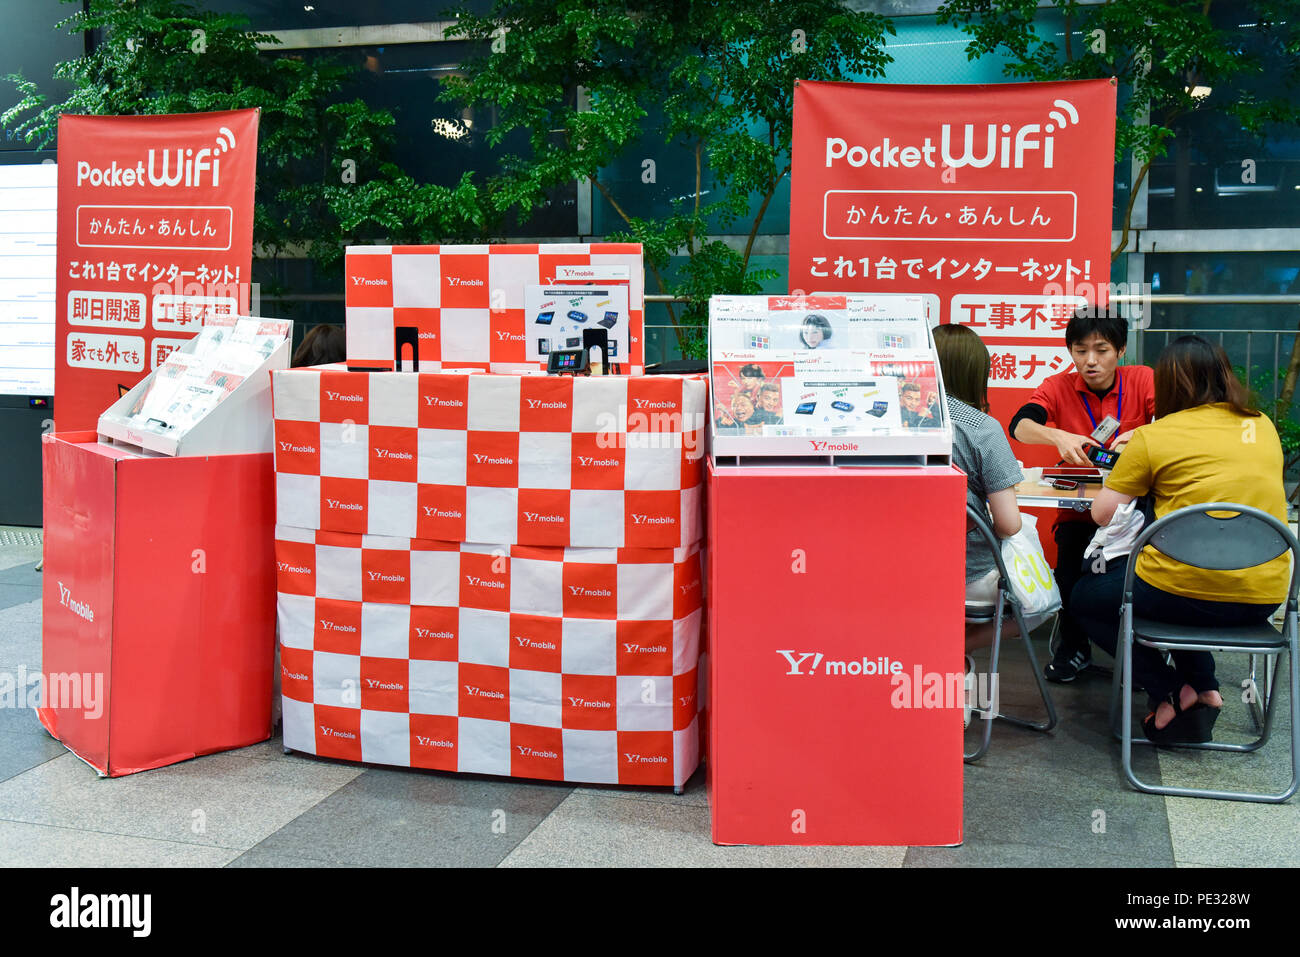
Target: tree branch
[1128, 210]
[663, 286]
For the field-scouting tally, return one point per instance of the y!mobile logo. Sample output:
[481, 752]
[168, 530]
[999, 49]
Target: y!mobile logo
[536, 517]
[424, 742]
[1002, 145]
[539, 645]
[347, 506]
[867, 666]
[295, 569]
[432, 512]
[430, 633]
[387, 454]
[833, 446]
[579, 592]
[457, 281]
[363, 281]
[335, 733]
[533, 753]
[633, 649]
[75, 909]
[539, 404]
[290, 447]
[78, 608]
[482, 693]
[653, 519]
[587, 461]
[190, 166]
[493, 460]
[376, 685]
[484, 582]
[644, 758]
[327, 625]
[584, 703]
[338, 397]
[449, 403]
[380, 577]
[510, 336]
[647, 404]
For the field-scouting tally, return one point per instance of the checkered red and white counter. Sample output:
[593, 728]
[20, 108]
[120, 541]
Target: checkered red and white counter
[497, 574]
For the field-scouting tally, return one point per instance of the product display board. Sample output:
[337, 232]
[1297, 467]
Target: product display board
[500, 459]
[824, 376]
[836, 673]
[210, 395]
[492, 573]
[493, 308]
[557, 316]
[155, 236]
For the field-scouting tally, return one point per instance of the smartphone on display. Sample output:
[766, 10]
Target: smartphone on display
[1102, 458]
[1065, 485]
[805, 408]
[545, 318]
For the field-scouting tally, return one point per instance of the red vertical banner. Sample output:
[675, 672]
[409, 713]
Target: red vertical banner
[992, 201]
[155, 233]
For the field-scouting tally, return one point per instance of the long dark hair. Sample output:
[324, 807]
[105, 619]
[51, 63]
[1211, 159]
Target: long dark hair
[322, 345]
[1192, 372]
[964, 359]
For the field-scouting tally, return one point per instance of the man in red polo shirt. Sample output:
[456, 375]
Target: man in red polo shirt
[1063, 412]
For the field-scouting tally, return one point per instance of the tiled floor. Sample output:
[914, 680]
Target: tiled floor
[1043, 800]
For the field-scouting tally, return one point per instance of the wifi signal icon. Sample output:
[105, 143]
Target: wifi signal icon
[1060, 118]
[226, 139]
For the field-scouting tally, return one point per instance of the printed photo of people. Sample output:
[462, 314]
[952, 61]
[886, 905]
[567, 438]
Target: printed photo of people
[918, 392]
[814, 331]
[747, 395]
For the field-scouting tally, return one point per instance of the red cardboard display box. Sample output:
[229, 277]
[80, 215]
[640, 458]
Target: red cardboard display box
[158, 628]
[835, 595]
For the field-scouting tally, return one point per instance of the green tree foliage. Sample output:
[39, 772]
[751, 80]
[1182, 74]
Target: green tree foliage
[588, 79]
[323, 173]
[1164, 54]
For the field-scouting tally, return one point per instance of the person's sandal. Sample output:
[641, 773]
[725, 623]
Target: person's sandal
[1198, 723]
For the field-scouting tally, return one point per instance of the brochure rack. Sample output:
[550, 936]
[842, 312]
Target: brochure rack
[158, 627]
[831, 380]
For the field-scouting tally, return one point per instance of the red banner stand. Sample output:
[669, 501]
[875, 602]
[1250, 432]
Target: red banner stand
[835, 605]
[158, 630]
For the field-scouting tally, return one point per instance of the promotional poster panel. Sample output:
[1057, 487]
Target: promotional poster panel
[155, 234]
[994, 198]
[791, 367]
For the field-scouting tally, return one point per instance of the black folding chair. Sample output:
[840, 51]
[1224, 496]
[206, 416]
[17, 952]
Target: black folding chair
[1006, 606]
[1245, 539]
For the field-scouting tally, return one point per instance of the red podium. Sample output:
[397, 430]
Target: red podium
[158, 621]
[836, 618]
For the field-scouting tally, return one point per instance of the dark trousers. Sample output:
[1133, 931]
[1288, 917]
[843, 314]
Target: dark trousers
[1071, 540]
[1096, 602]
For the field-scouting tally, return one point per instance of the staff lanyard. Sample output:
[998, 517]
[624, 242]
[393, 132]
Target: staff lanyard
[1119, 402]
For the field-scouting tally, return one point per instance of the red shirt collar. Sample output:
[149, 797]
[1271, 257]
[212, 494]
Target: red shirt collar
[1081, 386]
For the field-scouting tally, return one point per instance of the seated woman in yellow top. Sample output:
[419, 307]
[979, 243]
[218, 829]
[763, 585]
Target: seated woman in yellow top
[1205, 445]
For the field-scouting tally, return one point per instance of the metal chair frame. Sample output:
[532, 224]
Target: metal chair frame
[1007, 604]
[1134, 628]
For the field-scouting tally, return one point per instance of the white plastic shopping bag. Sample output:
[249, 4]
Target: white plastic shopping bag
[1031, 578]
